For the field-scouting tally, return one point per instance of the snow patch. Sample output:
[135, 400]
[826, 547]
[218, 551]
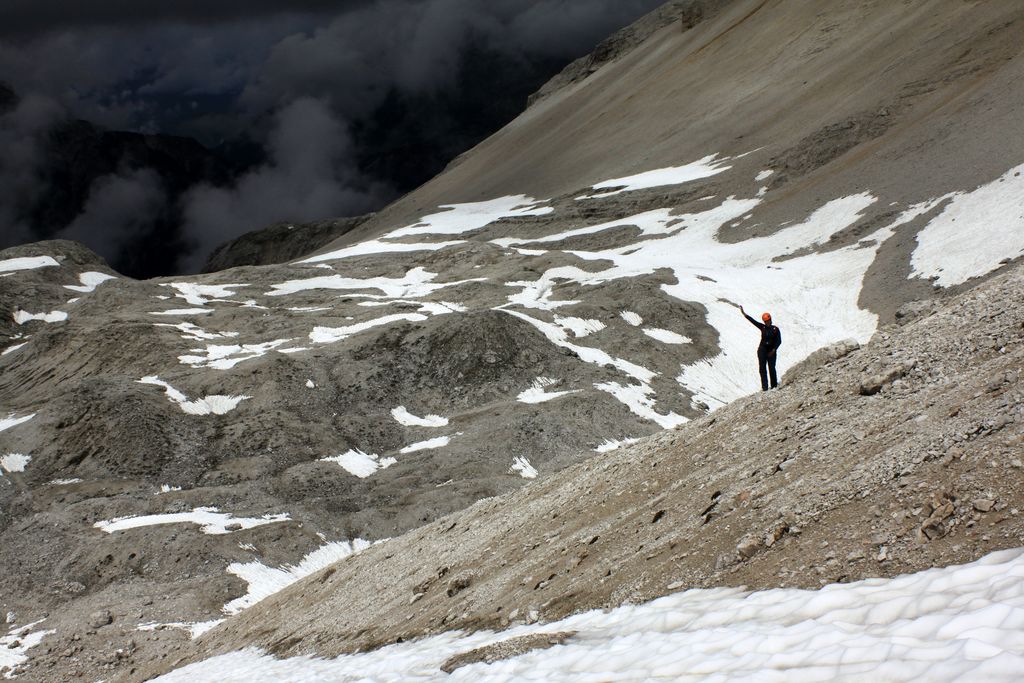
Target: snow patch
[264, 581]
[580, 327]
[200, 295]
[674, 175]
[90, 281]
[379, 246]
[975, 233]
[194, 629]
[764, 175]
[310, 384]
[12, 421]
[167, 488]
[21, 317]
[436, 442]
[524, 468]
[404, 417]
[26, 263]
[208, 405]
[19, 640]
[183, 311]
[12, 349]
[64, 482]
[416, 283]
[225, 357]
[638, 398]
[666, 336]
[656, 222]
[558, 336]
[360, 464]
[196, 333]
[330, 335]
[14, 462]
[462, 218]
[210, 519]
[614, 444]
[632, 318]
[537, 392]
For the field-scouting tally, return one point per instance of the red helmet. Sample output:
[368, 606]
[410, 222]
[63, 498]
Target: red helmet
[767, 317]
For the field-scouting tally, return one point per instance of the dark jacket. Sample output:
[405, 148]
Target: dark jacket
[771, 337]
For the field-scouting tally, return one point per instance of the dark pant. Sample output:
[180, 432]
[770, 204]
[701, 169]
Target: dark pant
[766, 366]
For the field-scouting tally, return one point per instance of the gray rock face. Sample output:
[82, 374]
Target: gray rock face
[278, 243]
[821, 357]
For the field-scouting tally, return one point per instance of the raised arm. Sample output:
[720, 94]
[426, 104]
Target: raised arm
[753, 322]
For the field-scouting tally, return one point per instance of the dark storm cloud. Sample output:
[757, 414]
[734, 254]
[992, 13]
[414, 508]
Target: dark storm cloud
[306, 80]
[417, 44]
[308, 176]
[21, 132]
[119, 208]
[25, 17]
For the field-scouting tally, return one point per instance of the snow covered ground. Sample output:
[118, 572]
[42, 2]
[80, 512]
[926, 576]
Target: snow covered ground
[15, 645]
[13, 420]
[90, 281]
[676, 175]
[960, 623]
[21, 317]
[975, 233]
[538, 391]
[404, 417]
[264, 581]
[210, 519]
[208, 405]
[14, 462]
[360, 464]
[27, 263]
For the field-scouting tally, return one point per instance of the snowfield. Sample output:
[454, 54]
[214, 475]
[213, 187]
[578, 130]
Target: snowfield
[975, 233]
[952, 624]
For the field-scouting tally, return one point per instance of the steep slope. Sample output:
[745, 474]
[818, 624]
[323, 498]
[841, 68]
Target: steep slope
[887, 459]
[177, 449]
[906, 99]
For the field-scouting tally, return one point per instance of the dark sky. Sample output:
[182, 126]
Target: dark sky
[316, 108]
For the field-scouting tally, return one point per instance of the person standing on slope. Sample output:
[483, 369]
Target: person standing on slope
[771, 340]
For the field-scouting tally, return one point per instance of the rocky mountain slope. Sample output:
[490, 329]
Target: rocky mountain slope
[880, 460]
[175, 450]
